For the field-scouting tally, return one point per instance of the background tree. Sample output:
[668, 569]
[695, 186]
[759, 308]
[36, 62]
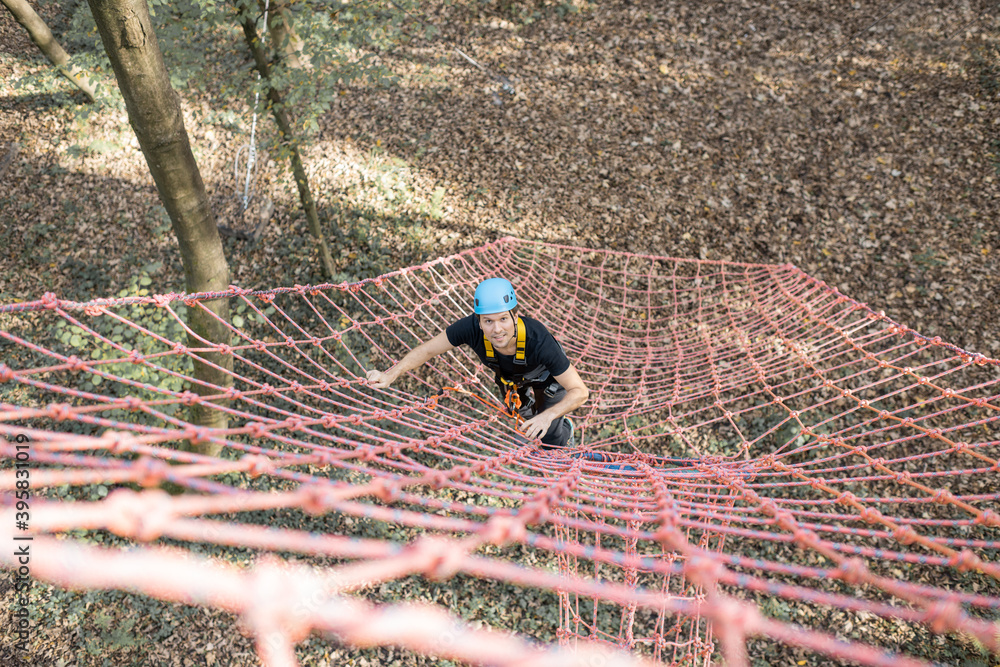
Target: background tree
[281, 27]
[154, 112]
[47, 44]
[285, 127]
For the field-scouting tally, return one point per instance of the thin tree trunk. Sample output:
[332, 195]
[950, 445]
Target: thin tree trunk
[286, 41]
[287, 133]
[154, 112]
[47, 44]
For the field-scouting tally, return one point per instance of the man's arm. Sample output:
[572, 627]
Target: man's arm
[576, 395]
[415, 358]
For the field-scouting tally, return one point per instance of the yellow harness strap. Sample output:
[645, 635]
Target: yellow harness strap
[511, 399]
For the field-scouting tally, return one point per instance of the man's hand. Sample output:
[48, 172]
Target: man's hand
[537, 426]
[414, 359]
[379, 380]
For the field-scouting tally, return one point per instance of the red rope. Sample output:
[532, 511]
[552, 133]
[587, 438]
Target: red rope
[749, 429]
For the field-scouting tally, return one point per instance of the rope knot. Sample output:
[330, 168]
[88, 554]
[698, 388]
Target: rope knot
[315, 499]
[442, 559]
[278, 600]
[847, 498]
[118, 441]
[385, 490]
[256, 429]
[153, 470]
[502, 530]
[768, 507]
[141, 516]
[988, 518]
[871, 515]
[805, 538]
[704, 572]
[196, 435]
[964, 561]
[60, 411]
[49, 301]
[944, 616]
[258, 465]
[534, 512]
[853, 571]
[943, 496]
[75, 364]
[786, 521]
[905, 535]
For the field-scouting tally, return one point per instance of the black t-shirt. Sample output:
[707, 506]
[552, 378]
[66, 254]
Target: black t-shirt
[540, 348]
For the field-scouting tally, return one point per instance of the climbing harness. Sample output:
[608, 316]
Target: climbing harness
[512, 399]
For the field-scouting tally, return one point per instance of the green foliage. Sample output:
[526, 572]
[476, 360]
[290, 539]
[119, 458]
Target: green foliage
[115, 338]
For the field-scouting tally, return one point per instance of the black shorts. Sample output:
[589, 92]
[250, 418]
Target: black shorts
[536, 398]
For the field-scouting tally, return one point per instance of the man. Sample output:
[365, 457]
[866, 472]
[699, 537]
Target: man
[531, 369]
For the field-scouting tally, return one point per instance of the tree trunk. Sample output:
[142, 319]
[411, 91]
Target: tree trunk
[154, 112]
[47, 44]
[283, 36]
[287, 134]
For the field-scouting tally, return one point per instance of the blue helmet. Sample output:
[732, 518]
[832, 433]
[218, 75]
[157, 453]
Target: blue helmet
[495, 295]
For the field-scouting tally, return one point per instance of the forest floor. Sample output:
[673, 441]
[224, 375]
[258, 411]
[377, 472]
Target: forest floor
[859, 144]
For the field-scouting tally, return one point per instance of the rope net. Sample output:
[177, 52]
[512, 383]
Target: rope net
[759, 455]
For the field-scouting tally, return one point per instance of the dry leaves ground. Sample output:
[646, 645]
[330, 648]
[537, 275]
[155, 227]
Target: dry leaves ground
[859, 141]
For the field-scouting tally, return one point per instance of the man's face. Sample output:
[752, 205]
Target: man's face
[499, 328]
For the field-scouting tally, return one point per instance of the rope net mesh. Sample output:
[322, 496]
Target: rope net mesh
[758, 452]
